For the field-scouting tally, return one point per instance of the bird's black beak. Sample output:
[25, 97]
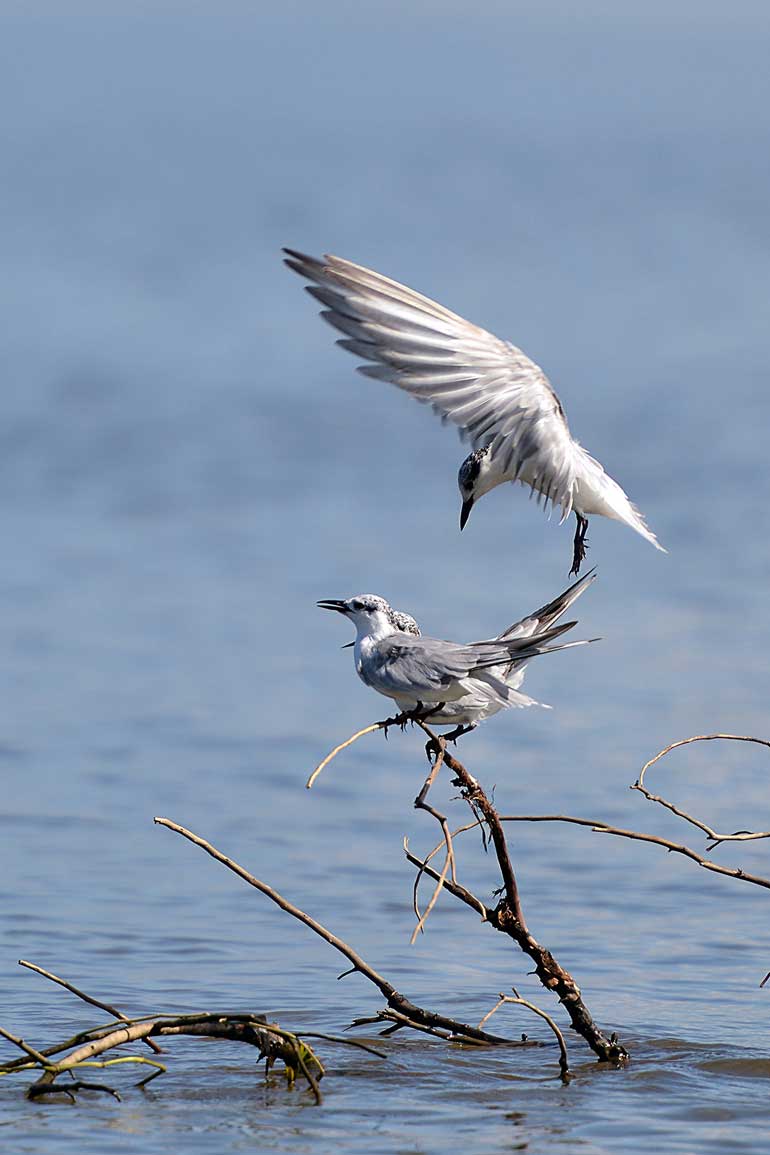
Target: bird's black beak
[465, 512]
[348, 646]
[332, 604]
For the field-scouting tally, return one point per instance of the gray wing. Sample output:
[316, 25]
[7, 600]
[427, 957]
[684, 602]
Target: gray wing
[410, 666]
[487, 387]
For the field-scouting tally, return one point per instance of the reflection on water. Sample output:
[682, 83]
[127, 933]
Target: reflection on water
[188, 464]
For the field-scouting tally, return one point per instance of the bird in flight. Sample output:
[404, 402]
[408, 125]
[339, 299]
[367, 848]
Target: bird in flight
[443, 682]
[498, 398]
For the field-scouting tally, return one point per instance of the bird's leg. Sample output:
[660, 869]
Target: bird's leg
[579, 546]
[458, 732]
[432, 747]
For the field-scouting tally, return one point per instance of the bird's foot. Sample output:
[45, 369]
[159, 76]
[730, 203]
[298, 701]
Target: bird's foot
[399, 720]
[433, 748]
[579, 545]
[419, 714]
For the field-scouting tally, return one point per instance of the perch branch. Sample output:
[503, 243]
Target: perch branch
[508, 916]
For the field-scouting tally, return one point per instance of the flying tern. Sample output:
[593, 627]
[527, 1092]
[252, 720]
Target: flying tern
[498, 398]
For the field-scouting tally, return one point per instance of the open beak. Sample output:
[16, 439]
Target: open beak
[332, 604]
[465, 512]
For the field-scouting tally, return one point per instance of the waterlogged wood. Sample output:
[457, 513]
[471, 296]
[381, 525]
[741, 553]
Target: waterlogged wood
[271, 1041]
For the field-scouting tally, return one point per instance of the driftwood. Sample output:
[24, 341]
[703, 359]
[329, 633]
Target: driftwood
[84, 1050]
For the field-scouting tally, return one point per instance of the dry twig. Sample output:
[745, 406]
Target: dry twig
[563, 1062]
[716, 839]
[415, 1016]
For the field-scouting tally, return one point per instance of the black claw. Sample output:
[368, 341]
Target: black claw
[579, 544]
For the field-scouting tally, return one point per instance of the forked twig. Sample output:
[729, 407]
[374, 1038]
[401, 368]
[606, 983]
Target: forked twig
[716, 839]
[449, 862]
[638, 836]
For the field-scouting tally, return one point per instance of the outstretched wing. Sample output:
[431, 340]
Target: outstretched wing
[487, 387]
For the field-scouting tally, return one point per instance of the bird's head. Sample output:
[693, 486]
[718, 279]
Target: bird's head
[472, 481]
[369, 613]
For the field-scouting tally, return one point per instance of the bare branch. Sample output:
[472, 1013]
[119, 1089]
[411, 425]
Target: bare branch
[417, 1016]
[36, 1055]
[86, 998]
[637, 836]
[342, 746]
[738, 836]
[563, 1062]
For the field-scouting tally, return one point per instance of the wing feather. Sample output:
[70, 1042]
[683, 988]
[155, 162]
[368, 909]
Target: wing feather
[488, 388]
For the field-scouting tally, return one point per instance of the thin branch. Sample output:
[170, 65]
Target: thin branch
[36, 1055]
[454, 888]
[342, 746]
[563, 1061]
[637, 836]
[449, 862]
[86, 998]
[738, 836]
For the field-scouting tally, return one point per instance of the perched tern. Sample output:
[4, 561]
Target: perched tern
[448, 682]
[490, 389]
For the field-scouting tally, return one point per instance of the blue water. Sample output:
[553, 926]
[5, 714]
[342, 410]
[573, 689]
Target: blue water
[188, 464]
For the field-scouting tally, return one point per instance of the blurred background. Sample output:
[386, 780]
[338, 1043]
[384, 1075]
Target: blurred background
[187, 464]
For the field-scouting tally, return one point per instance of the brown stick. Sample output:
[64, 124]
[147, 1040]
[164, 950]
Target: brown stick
[395, 1000]
[86, 998]
[638, 836]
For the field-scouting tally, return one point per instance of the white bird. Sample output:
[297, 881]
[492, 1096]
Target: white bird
[448, 682]
[490, 389]
[480, 704]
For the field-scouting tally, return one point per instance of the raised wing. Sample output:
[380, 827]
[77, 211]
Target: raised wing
[487, 387]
